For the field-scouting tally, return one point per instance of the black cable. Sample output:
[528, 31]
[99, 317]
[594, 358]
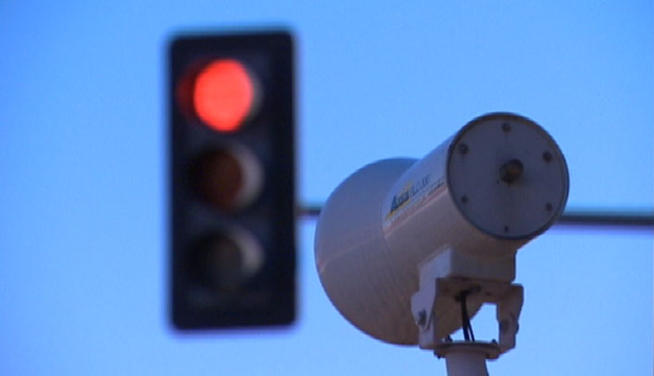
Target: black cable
[464, 319]
[468, 334]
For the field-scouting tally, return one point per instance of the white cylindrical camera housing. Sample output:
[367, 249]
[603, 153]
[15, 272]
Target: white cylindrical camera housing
[493, 186]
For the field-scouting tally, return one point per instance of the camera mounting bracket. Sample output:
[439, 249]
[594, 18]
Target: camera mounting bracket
[439, 288]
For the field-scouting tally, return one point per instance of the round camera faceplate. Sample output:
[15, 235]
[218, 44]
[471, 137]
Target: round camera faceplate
[507, 176]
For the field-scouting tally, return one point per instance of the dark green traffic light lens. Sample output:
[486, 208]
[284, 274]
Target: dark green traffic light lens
[224, 261]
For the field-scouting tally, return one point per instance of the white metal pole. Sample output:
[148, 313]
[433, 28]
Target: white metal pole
[466, 361]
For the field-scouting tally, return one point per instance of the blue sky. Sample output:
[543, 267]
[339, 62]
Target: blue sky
[83, 169]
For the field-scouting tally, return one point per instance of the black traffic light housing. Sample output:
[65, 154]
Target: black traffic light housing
[232, 190]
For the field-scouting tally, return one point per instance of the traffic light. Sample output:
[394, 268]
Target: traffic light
[232, 222]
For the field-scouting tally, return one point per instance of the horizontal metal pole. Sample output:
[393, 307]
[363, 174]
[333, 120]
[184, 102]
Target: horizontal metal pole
[607, 218]
[310, 211]
[613, 218]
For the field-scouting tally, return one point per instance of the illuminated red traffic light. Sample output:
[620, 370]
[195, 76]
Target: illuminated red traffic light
[224, 95]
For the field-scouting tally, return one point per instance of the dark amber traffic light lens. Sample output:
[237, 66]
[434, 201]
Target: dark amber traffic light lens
[228, 178]
[224, 95]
